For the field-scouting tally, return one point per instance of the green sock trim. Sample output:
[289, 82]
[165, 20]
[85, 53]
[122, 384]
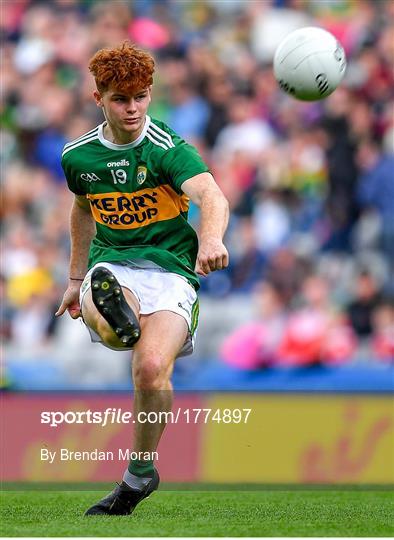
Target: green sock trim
[140, 467]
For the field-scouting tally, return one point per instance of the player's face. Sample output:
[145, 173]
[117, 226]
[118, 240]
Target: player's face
[125, 113]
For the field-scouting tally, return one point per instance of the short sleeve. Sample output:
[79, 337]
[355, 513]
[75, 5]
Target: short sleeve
[73, 184]
[181, 163]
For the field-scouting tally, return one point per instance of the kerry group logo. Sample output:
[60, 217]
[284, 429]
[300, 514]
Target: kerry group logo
[122, 210]
[123, 163]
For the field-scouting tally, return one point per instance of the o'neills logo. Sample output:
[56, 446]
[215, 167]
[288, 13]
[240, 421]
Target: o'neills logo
[123, 163]
[133, 210]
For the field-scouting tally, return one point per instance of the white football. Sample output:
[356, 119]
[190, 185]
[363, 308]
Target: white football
[309, 63]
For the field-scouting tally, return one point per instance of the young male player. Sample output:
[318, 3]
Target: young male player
[132, 177]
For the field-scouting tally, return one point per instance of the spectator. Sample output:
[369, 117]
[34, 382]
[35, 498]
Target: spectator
[286, 271]
[245, 132]
[376, 190]
[383, 331]
[366, 298]
[189, 112]
[342, 177]
[248, 262]
[316, 333]
[255, 345]
[218, 92]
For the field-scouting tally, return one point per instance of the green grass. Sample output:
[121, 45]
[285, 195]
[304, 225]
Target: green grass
[272, 511]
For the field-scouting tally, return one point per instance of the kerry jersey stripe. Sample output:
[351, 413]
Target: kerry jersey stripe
[84, 136]
[92, 138]
[161, 134]
[158, 138]
[155, 141]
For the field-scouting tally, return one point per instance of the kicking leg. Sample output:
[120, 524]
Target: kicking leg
[163, 335]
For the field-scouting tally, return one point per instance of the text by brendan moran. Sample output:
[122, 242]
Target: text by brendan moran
[65, 454]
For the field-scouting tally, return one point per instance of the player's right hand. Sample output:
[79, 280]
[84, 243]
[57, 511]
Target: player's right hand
[70, 302]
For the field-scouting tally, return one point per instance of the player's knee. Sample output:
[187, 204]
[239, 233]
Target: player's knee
[150, 373]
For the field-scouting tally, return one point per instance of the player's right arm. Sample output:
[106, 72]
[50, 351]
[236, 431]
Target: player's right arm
[82, 231]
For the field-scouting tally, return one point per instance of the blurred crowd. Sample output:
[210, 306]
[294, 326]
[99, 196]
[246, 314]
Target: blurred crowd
[310, 185]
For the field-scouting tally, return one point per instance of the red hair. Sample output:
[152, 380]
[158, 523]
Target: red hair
[124, 68]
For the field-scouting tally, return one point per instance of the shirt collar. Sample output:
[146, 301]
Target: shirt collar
[114, 146]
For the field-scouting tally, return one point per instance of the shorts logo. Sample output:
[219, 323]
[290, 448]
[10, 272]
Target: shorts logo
[90, 177]
[184, 309]
[85, 285]
[141, 174]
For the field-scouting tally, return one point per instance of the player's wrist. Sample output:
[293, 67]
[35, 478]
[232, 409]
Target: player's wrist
[211, 241]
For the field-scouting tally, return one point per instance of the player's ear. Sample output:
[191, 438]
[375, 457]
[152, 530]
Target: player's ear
[98, 98]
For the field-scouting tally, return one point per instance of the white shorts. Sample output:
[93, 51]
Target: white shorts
[155, 290]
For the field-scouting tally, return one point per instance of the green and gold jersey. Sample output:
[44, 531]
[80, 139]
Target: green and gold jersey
[135, 196]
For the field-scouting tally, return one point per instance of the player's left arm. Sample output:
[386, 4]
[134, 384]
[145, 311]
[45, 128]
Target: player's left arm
[205, 193]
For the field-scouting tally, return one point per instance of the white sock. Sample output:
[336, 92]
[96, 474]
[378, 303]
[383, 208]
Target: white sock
[135, 482]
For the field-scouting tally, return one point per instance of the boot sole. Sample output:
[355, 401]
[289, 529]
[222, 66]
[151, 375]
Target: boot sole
[110, 302]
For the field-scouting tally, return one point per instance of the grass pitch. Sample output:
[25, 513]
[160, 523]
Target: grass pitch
[199, 511]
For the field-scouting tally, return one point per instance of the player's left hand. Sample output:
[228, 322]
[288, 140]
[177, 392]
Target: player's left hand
[212, 255]
[70, 301]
